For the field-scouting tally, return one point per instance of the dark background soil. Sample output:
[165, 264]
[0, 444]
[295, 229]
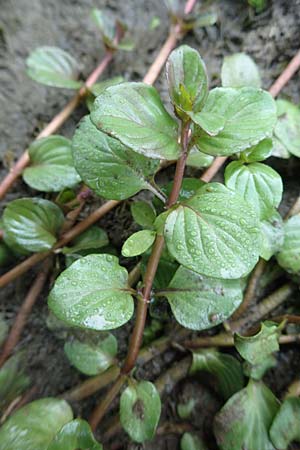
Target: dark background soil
[271, 38]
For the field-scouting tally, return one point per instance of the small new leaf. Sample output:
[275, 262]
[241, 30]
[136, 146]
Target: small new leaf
[92, 238]
[143, 214]
[259, 152]
[134, 114]
[285, 427]
[112, 31]
[92, 293]
[54, 67]
[289, 255]
[140, 408]
[138, 243]
[239, 70]
[76, 434]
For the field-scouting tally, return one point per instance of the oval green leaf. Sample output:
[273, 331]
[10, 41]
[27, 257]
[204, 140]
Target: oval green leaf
[92, 239]
[198, 159]
[285, 427]
[140, 408]
[134, 114]
[289, 255]
[108, 167]
[239, 70]
[199, 302]
[31, 224]
[214, 233]
[93, 293]
[259, 152]
[76, 434]
[272, 232]
[51, 165]
[143, 214]
[138, 243]
[287, 130]
[35, 425]
[54, 67]
[250, 116]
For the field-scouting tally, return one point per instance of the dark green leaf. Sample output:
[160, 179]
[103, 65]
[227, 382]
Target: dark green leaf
[198, 159]
[138, 243]
[92, 238]
[13, 380]
[272, 232]
[187, 79]
[285, 427]
[239, 70]
[51, 165]
[214, 233]
[190, 441]
[258, 184]
[143, 213]
[3, 329]
[287, 130]
[134, 114]
[250, 116]
[289, 255]
[54, 67]
[225, 368]
[140, 409]
[93, 293]
[259, 152]
[245, 420]
[76, 434]
[199, 302]
[107, 166]
[31, 224]
[35, 425]
[6, 255]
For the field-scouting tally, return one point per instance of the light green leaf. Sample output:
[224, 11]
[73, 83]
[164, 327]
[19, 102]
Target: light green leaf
[110, 30]
[190, 441]
[225, 368]
[259, 152]
[76, 434]
[245, 420]
[272, 233]
[107, 166]
[140, 408]
[51, 165]
[31, 224]
[13, 380]
[255, 349]
[35, 425]
[258, 184]
[257, 371]
[206, 18]
[199, 302]
[239, 70]
[287, 130]
[54, 67]
[97, 88]
[289, 255]
[185, 409]
[92, 238]
[138, 243]
[250, 116]
[92, 358]
[143, 213]
[93, 293]
[187, 79]
[214, 233]
[285, 427]
[198, 159]
[134, 114]
[211, 123]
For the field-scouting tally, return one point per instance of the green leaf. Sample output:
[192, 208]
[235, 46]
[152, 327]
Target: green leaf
[185, 409]
[6, 255]
[214, 233]
[258, 5]
[255, 349]
[51, 165]
[285, 427]
[289, 255]
[239, 70]
[287, 130]
[187, 79]
[211, 123]
[206, 19]
[92, 238]
[31, 224]
[97, 88]
[140, 409]
[258, 184]
[199, 302]
[272, 233]
[138, 243]
[250, 116]
[35, 425]
[167, 267]
[245, 420]
[92, 358]
[134, 114]
[225, 368]
[257, 371]
[92, 293]
[110, 30]
[143, 213]
[13, 380]
[76, 434]
[198, 159]
[190, 441]
[259, 152]
[108, 167]
[54, 67]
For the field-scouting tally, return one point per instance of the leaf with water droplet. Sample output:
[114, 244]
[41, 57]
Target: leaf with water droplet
[140, 408]
[239, 70]
[92, 293]
[214, 233]
[134, 114]
[138, 243]
[289, 254]
[285, 427]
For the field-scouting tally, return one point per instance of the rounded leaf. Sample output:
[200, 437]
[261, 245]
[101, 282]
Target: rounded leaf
[51, 165]
[259, 152]
[92, 293]
[285, 427]
[143, 213]
[138, 243]
[214, 233]
[286, 131]
[31, 224]
[272, 233]
[35, 425]
[54, 67]
[76, 434]
[289, 255]
[239, 70]
[140, 408]
[107, 166]
[134, 114]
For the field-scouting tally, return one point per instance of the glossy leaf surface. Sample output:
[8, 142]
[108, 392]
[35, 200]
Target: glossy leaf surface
[138, 243]
[76, 434]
